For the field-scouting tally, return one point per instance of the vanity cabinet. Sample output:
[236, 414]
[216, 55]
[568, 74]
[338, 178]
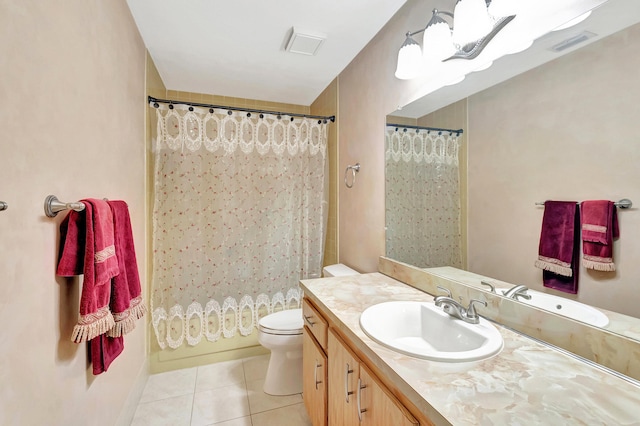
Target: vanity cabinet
[314, 364]
[339, 389]
[356, 396]
[314, 379]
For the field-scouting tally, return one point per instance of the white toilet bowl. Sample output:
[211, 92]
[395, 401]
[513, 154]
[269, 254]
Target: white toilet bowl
[281, 333]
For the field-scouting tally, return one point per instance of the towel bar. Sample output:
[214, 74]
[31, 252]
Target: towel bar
[52, 206]
[625, 203]
[3, 206]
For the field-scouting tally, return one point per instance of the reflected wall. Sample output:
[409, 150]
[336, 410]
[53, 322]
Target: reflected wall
[564, 131]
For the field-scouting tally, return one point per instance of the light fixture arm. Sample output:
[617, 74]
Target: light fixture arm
[436, 12]
[472, 51]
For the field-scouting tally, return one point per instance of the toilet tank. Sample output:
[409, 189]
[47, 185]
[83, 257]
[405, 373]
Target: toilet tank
[338, 270]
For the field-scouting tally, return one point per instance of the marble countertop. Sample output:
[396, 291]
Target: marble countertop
[527, 383]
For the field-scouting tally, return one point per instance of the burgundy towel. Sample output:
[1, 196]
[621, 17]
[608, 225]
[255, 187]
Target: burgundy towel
[126, 295]
[98, 262]
[104, 350]
[72, 242]
[599, 228]
[104, 242]
[559, 246]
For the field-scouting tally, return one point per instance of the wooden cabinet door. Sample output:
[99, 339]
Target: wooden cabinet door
[314, 379]
[343, 378]
[376, 405]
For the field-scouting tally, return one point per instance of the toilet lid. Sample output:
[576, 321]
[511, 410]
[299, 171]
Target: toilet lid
[283, 322]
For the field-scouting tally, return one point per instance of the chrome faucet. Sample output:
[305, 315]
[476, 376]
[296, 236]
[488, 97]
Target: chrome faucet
[456, 310]
[492, 288]
[517, 291]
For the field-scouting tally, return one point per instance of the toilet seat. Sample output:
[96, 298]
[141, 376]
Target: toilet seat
[283, 323]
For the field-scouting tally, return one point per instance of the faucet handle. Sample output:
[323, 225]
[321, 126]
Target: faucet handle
[471, 310]
[492, 288]
[446, 290]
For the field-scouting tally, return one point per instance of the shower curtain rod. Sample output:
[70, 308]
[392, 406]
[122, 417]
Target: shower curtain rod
[156, 101]
[435, 129]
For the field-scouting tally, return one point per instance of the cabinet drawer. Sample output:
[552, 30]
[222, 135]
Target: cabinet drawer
[315, 322]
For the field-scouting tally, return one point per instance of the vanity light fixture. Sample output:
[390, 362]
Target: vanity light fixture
[574, 21]
[475, 24]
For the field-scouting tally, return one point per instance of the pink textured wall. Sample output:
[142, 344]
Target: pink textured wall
[72, 91]
[368, 91]
[567, 130]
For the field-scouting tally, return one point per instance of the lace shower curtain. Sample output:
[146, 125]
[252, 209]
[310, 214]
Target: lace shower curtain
[422, 196]
[238, 219]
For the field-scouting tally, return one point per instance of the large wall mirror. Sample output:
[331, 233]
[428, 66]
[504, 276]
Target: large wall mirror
[538, 125]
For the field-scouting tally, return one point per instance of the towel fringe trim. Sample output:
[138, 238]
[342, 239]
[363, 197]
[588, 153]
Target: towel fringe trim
[125, 322]
[555, 268]
[599, 263]
[92, 325]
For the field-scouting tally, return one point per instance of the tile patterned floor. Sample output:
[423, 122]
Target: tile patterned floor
[223, 394]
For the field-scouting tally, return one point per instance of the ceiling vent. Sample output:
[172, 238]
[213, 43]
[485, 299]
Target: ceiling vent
[304, 42]
[572, 41]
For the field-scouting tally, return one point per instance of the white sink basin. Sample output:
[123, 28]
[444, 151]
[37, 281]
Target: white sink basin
[423, 330]
[569, 308]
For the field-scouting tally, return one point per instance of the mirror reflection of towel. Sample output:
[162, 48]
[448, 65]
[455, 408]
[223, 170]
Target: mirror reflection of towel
[559, 246]
[599, 228]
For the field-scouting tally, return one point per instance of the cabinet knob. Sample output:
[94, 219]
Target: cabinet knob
[347, 392]
[360, 410]
[315, 374]
[307, 318]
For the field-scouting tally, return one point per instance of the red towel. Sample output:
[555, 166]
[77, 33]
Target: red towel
[559, 246]
[599, 228]
[99, 265]
[126, 295]
[104, 350]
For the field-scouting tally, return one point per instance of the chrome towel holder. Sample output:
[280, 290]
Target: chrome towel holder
[354, 169]
[625, 203]
[3, 206]
[52, 206]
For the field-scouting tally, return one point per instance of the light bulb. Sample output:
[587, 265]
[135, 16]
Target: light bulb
[409, 60]
[437, 42]
[471, 21]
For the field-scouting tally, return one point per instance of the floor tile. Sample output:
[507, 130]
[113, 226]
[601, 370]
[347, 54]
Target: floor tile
[255, 368]
[293, 415]
[242, 421]
[260, 401]
[175, 411]
[219, 375]
[169, 384]
[217, 405]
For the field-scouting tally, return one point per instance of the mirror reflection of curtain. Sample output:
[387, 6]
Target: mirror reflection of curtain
[422, 197]
[237, 219]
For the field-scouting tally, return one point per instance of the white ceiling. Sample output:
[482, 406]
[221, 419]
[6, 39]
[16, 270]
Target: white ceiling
[237, 47]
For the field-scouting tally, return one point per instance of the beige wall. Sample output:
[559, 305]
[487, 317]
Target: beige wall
[564, 131]
[327, 104]
[368, 92]
[72, 91]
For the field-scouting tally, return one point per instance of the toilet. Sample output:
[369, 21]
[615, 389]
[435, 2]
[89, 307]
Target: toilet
[281, 333]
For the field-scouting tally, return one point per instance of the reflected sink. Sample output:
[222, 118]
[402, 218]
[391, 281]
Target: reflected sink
[566, 307]
[423, 330]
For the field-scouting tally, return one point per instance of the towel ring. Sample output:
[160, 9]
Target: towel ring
[354, 169]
